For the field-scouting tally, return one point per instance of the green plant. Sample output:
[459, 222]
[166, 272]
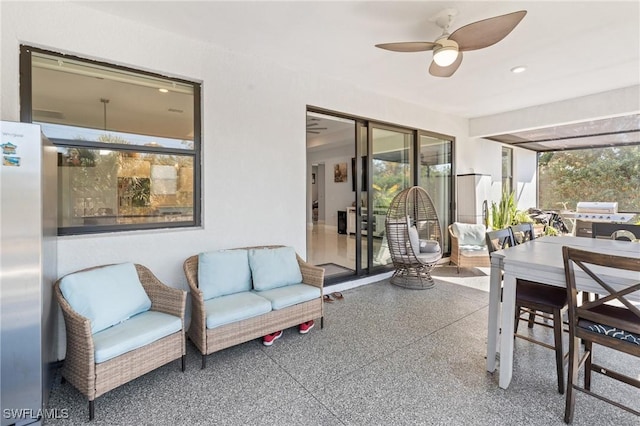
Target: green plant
[503, 213]
[522, 216]
[383, 196]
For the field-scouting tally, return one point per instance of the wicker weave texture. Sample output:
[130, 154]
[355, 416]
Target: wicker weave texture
[118, 371]
[211, 340]
[242, 331]
[93, 380]
[412, 207]
[470, 260]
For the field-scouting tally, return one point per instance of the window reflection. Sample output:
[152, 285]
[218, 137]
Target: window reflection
[105, 187]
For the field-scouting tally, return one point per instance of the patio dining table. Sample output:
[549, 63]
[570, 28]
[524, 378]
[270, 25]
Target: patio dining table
[540, 260]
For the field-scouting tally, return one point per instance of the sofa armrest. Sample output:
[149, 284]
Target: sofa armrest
[198, 326]
[312, 275]
[79, 364]
[455, 244]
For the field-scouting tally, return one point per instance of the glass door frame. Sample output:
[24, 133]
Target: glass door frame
[451, 208]
[358, 176]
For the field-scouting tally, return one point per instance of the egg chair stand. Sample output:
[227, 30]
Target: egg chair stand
[414, 237]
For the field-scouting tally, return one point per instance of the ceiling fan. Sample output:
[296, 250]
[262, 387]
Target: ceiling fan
[448, 48]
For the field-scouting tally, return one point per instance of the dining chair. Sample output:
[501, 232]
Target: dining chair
[536, 299]
[522, 232]
[612, 231]
[616, 326]
[615, 231]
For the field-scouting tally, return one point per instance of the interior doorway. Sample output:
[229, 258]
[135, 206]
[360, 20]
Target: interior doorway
[330, 148]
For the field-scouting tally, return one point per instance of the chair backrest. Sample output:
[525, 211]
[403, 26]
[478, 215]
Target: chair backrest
[615, 231]
[522, 232]
[601, 316]
[499, 239]
[411, 217]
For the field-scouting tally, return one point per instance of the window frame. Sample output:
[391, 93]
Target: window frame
[26, 116]
[507, 181]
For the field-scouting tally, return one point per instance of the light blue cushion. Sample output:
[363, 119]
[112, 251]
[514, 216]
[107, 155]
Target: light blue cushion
[223, 272]
[470, 233]
[136, 332]
[273, 268]
[107, 295]
[290, 295]
[235, 307]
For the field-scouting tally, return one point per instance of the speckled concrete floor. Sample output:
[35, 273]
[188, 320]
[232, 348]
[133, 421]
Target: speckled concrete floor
[386, 356]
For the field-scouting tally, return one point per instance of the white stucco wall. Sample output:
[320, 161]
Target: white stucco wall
[254, 156]
[526, 177]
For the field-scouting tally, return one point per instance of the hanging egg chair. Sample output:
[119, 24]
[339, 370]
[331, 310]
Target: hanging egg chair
[414, 237]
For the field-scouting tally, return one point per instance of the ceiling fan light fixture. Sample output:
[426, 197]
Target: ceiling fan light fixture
[447, 54]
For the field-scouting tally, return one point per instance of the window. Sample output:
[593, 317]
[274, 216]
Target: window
[128, 142]
[507, 170]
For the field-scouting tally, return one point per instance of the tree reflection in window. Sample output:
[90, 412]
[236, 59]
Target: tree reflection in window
[134, 192]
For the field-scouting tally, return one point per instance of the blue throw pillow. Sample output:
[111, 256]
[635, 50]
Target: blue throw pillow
[106, 295]
[273, 268]
[223, 272]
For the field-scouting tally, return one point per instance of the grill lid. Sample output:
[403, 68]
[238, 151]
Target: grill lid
[597, 207]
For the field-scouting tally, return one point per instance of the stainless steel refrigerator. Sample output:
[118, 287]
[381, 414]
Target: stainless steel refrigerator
[28, 265]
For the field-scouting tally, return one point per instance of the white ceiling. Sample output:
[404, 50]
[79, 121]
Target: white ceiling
[571, 48]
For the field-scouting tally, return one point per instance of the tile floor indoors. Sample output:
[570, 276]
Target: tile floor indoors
[386, 356]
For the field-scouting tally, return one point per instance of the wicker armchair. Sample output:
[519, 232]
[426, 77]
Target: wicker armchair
[95, 379]
[414, 238]
[466, 257]
[210, 340]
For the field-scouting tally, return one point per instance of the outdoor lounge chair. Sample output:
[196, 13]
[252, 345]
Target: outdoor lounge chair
[121, 322]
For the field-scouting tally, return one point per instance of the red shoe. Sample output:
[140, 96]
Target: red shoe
[305, 327]
[270, 338]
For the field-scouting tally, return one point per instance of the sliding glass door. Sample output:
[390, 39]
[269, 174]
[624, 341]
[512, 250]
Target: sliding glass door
[435, 176]
[391, 171]
[347, 209]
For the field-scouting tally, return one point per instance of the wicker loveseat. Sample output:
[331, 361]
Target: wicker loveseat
[235, 300]
[121, 322]
[468, 245]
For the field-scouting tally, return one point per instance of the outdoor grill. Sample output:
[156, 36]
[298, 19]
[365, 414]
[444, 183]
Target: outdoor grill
[588, 212]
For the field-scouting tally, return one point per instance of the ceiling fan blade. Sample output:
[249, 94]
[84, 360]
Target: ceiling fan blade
[487, 32]
[438, 71]
[408, 46]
